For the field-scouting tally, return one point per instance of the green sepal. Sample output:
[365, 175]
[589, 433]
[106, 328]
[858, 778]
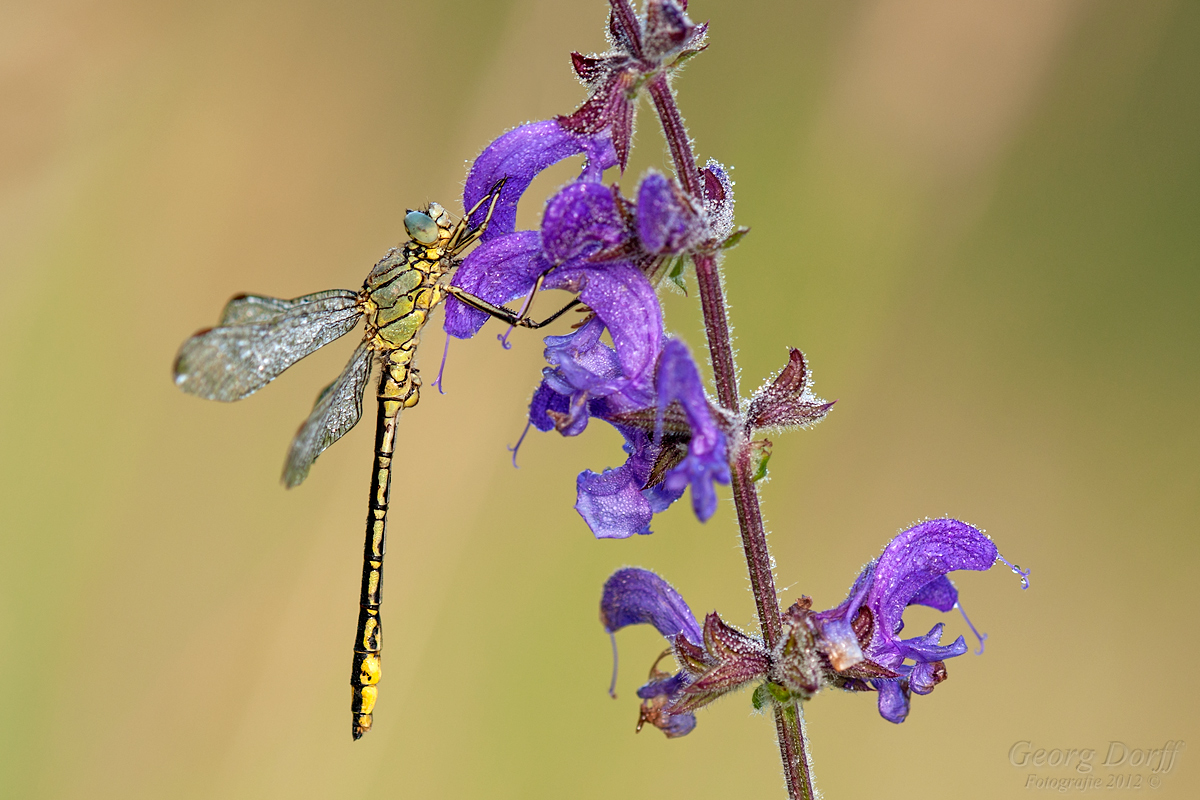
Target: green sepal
[734, 238]
[760, 454]
[675, 273]
[768, 693]
[685, 56]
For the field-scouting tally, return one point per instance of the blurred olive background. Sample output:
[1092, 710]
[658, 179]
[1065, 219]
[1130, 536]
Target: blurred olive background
[980, 221]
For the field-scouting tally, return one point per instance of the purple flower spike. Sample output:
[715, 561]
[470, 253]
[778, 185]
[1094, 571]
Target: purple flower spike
[667, 221]
[519, 156]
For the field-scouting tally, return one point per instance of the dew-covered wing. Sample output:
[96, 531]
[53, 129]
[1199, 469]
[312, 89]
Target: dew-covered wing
[337, 410]
[236, 359]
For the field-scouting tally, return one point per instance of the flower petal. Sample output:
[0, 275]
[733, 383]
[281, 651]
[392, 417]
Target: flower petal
[519, 156]
[927, 649]
[938, 593]
[635, 596]
[678, 380]
[626, 303]
[498, 271]
[668, 686]
[667, 222]
[612, 504]
[926, 675]
[918, 557]
[893, 700]
[581, 220]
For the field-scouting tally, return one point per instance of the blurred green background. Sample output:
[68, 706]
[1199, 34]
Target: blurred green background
[980, 221]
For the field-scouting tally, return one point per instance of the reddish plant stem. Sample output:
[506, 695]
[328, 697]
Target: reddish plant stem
[797, 764]
[789, 724]
[754, 543]
[627, 19]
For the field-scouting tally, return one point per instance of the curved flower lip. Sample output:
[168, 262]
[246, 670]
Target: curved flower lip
[911, 571]
[634, 596]
[519, 156]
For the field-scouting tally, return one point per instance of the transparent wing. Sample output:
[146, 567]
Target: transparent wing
[237, 359]
[246, 309]
[337, 410]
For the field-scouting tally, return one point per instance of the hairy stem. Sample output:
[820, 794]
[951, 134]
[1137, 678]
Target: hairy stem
[797, 763]
[789, 722]
[627, 20]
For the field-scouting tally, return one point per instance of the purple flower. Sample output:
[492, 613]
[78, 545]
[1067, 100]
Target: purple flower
[508, 262]
[856, 646]
[587, 228]
[591, 242]
[671, 437]
[668, 220]
[861, 637]
[714, 661]
[519, 156]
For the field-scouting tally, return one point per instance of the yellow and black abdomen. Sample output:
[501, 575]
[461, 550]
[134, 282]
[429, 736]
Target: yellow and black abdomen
[401, 291]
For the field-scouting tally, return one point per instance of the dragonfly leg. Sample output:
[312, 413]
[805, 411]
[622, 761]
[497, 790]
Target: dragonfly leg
[519, 320]
[463, 238]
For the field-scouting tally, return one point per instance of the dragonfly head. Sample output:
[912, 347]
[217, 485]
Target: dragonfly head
[421, 227]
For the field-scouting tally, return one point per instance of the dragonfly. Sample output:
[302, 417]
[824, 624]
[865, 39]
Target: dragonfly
[258, 337]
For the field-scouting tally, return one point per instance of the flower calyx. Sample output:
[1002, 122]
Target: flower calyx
[640, 48]
[728, 661]
[787, 401]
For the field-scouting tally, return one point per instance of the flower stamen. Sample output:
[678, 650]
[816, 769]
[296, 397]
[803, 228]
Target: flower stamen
[442, 369]
[982, 637]
[517, 446]
[612, 687]
[1024, 573]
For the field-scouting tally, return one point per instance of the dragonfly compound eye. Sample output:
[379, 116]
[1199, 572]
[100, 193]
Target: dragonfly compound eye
[421, 227]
